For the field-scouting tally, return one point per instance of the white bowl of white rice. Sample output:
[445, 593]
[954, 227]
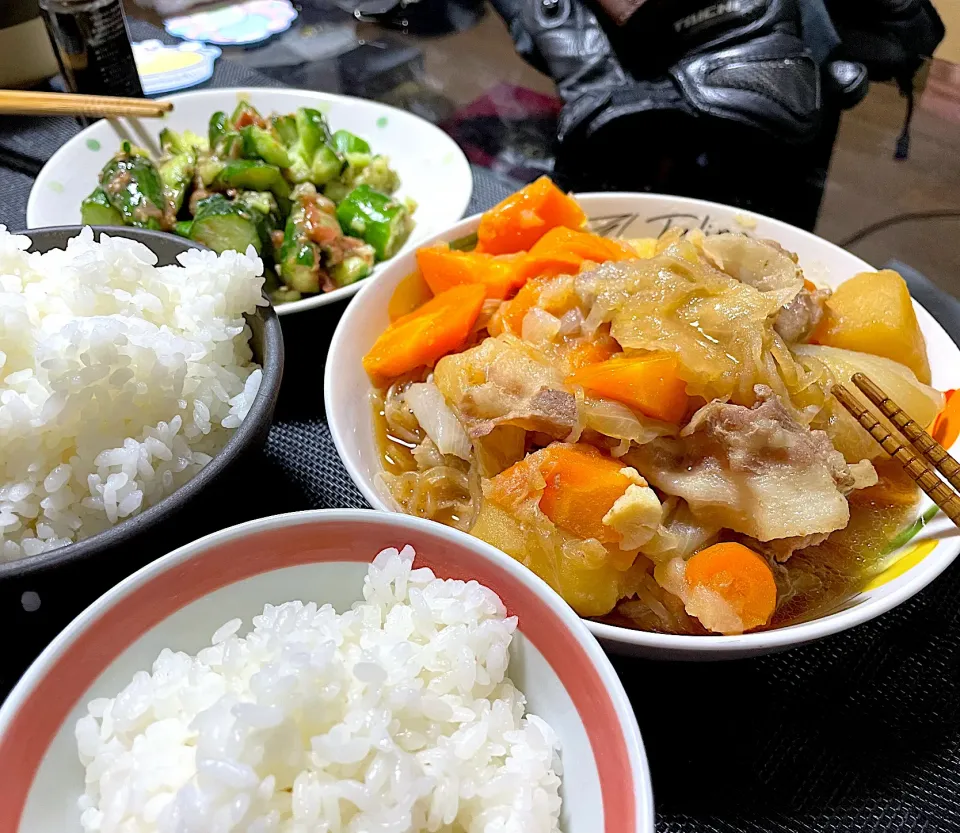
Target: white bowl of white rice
[339, 671]
[134, 368]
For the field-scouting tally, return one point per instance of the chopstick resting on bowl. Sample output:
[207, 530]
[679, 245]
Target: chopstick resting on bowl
[28, 103]
[916, 463]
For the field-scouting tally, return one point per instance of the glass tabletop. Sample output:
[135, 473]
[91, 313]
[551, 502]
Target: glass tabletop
[453, 62]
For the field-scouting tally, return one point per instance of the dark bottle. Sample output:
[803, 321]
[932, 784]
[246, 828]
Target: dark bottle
[92, 46]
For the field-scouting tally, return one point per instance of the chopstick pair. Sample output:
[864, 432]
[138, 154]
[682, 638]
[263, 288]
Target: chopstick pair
[915, 461]
[29, 103]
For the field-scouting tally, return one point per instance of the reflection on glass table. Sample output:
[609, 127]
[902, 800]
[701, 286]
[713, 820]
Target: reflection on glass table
[454, 63]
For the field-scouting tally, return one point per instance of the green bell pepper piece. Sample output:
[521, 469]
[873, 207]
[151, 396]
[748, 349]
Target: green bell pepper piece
[312, 131]
[286, 127]
[224, 226]
[253, 175]
[183, 227]
[346, 142]
[216, 128]
[261, 144]
[376, 219]
[467, 243]
[134, 188]
[96, 210]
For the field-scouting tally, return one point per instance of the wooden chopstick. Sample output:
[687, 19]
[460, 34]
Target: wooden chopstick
[917, 467]
[29, 103]
[926, 445]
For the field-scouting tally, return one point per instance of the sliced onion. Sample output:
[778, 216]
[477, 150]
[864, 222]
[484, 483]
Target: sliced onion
[438, 420]
[539, 326]
[754, 262]
[921, 401]
[487, 311]
[570, 322]
[680, 534]
[599, 314]
[612, 419]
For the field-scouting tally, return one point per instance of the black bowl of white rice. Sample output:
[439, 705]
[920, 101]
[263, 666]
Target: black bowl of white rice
[136, 368]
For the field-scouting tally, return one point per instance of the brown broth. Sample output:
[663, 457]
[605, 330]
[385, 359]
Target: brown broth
[814, 582]
[396, 456]
[824, 577]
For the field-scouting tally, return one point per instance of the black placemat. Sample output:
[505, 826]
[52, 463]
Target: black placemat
[860, 732]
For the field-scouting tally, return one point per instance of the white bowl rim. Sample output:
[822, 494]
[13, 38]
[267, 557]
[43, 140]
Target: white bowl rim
[324, 298]
[624, 710]
[669, 644]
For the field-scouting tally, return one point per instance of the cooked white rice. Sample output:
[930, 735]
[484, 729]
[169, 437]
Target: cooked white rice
[118, 380]
[396, 716]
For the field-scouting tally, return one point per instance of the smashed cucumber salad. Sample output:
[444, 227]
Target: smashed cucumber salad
[317, 206]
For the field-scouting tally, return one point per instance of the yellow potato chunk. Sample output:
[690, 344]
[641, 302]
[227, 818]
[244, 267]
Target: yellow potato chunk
[872, 313]
[645, 247]
[584, 573]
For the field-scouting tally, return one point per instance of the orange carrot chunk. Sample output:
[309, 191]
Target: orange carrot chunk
[582, 486]
[648, 384]
[513, 312]
[740, 577]
[438, 327]
[515, 484]
[578, 354]
[583, 244]
[563, 251]
[443, 268]
[946, 427]
[518, 222]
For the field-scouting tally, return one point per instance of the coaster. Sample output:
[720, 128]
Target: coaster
[241, 24]
[164, 69]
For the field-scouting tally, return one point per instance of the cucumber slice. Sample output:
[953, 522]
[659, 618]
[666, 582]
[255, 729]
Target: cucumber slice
[260, 144]
[253, 175]
[96, 210]
[223, 226]
[326, 165]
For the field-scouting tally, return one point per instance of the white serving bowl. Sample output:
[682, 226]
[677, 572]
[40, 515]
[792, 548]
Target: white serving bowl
[179, 600]
[432, 168]
[346, 392]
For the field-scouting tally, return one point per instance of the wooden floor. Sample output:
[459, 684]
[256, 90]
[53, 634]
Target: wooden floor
[867, 184]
